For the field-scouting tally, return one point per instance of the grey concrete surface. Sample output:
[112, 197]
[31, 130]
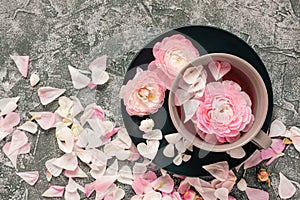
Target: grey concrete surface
[57, 33]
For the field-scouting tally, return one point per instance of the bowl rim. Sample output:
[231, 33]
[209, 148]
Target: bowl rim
[246, 137]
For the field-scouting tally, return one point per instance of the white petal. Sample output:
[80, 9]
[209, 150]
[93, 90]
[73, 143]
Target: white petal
[123, 154]
[277, 129]
[186, 157]
[77, 107]
[178, 159]
[34, 79]
[22, 63]
[49, 94]
[139, 169]
[78, 79]
[152, 195]
[67, 161]
[286, 189]
[242, 185]
[112, 170]
[19, 139]
[126, 176]
[153, 135]
[29, 177]
[99, 77]
[180, 146]
[8, 105]
[146, 125]
[198, 86]
[173, 138]
[77, 173]
[29, 126]
[190, 107]
[52, 169]
[181, 96]
[148, 150]
[124, 137]
[236, 153]
[65, 139]
[99, 63]
[169, 151]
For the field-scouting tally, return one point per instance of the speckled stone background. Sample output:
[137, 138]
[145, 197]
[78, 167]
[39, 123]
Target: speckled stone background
[57, 33]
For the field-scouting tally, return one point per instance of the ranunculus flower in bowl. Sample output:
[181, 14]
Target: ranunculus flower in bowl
[171, 55]
[224, 112]
[144, 94]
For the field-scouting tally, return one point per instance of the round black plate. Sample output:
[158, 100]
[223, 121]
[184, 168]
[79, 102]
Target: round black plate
[207, 40]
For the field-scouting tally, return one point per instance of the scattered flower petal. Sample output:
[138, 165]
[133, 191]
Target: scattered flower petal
[29, 126]
[163, 183]
[255, 194]
[218, 170]
[153, 135]
[148, 150]
[8, 105]
[22, 63]
[169, 151]
[34, 79]
[238, 153]
[45, 119]
[253, 160]
[30, 177]
[79, 80]
[68, 161]
[146, 125]
[77, 173]
[7, 124]
[53, 169]
[222, 193]
[190, 108]
[286, 189]
[173, 138]
[277, 128]
[49, 94]
[54, 191]
[242, 185]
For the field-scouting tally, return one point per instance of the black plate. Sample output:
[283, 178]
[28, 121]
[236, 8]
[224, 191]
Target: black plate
[207, 40]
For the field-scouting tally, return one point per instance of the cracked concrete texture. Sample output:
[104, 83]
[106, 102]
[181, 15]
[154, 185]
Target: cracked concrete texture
[57, 33]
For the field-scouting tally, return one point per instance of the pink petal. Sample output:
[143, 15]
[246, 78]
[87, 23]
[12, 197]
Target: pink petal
[77, 106]
[52, 169]
[45, 119]
[22, 63]
[116, 194]
[112, 132]
[242, 185]
[192, 73]
[101, 185]
[8, 105]
[49, 94]
[277, 145]
[77, 173]
[203, 187]
[236, 153]
[219, 69]
[29, 177]
[18, 140]
[68, 161]
[139, 169]
[54, 191]
[163, 184]
[255, 194]
[13, 156]
[277, 129]
[79, 80]
[9, 121]
[218, 170]
[139, 185]
[286, 189]
[89, 188]
[29, 126]
[92, 85]
[184, 186]
[295, 132]
[254, 160]
[98, 63]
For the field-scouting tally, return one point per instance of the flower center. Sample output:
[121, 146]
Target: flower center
[145, 94]
[221, 110]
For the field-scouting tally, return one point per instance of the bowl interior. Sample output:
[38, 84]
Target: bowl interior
[251, 82]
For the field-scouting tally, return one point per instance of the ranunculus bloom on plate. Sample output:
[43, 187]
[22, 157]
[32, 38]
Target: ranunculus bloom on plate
[171, 55]
[144, 94]
[223, 113]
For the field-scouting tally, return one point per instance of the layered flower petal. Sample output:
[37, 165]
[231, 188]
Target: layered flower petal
[68, 161]
[8, 105]
[219, 69]
[29, 126]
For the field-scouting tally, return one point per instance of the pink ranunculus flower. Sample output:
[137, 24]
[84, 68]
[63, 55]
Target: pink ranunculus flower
[144, 94]
[223, 113]
[171, 55]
